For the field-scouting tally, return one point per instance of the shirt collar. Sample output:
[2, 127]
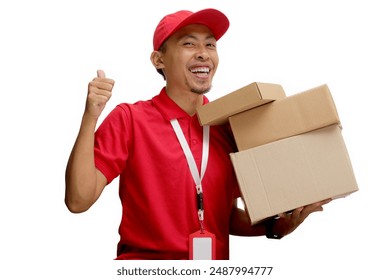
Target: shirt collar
[168, 108]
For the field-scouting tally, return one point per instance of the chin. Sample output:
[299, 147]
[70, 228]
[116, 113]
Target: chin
[203, 90]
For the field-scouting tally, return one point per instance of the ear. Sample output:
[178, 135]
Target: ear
[156, 58]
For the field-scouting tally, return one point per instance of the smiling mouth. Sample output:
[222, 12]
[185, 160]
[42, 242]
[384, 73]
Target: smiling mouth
[200, 71]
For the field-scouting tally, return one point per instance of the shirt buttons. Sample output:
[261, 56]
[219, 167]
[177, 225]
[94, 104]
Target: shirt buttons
[194, 142]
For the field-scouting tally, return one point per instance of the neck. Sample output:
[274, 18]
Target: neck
[188, 101]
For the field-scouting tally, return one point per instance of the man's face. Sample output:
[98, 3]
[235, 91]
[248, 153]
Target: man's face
[191, 59]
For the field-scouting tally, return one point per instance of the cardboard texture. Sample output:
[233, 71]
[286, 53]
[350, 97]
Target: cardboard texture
[283, 118]
[293, 172]
[255, 94]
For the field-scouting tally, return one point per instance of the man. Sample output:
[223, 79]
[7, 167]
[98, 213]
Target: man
[176, 179]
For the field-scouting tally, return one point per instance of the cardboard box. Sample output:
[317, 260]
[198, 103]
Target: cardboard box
[283, 118]
[253, 95]
[293, 172]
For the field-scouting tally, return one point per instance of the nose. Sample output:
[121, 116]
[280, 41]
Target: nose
[202, 54]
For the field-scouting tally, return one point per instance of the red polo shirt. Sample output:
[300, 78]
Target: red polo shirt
[137, 142]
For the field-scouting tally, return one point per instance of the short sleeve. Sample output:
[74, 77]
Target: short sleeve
[112, 142]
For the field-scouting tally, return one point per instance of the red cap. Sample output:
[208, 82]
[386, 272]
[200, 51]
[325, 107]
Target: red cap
[215, 20]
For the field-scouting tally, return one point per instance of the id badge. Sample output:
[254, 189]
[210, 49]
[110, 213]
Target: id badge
[202, 246]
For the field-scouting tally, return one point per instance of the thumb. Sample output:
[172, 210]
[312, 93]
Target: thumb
[101, 74]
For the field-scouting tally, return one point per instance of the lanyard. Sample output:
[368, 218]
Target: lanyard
[192, 164]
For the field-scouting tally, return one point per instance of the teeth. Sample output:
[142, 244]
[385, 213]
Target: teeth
[200, 70]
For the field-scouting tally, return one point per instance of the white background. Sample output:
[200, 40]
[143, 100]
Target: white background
[50, 50]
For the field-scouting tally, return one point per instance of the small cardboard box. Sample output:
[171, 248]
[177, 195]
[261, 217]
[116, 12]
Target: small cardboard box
[293, 172]
[283, 118]
[253, 95]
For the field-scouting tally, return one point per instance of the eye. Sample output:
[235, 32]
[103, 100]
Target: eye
[212, 45]
[189, 44]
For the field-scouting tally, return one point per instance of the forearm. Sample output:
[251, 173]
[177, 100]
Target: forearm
[81, 177]
[240, 224]
[284, 225]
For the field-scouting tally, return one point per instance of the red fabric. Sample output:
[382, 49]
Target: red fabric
[157, 191]
[216, 21]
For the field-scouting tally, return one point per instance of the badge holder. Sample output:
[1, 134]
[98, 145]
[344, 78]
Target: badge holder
[202, 245]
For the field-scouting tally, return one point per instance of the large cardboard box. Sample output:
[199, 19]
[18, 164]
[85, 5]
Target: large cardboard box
[293, 172]
[293, 115]
[255, 94]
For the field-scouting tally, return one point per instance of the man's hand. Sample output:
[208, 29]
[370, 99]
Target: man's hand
[99, 92]
[287, 223]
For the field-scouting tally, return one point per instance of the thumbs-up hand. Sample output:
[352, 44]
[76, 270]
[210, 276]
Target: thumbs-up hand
[101, 74]
[99, 92]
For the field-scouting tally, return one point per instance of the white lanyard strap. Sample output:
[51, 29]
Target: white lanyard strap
[191, 161]
[187, 151]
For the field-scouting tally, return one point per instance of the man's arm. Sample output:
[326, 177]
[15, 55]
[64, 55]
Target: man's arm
[241, 225]
[284, 225]
[84, 183]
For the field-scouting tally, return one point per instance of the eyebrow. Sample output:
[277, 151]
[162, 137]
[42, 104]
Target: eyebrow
[190, 36]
